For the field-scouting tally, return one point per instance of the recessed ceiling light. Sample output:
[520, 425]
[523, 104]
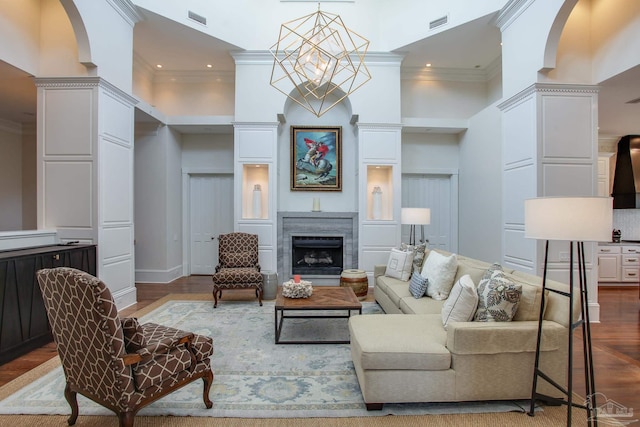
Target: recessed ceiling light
[159, 66]
[209, 66]
[428, 64]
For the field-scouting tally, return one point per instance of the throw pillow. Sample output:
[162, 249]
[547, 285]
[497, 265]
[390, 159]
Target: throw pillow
[494, 267]
[498, 298]
[440, 270]
[399, 264]
[418, 254]
[418, 285]
[462, 302]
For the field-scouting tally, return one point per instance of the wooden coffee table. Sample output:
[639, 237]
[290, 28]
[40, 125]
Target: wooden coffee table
[330, 298]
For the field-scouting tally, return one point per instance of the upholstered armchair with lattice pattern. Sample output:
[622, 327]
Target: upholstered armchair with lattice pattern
[238, 266]
[118, 363]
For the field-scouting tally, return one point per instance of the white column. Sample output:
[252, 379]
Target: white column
[85, 172]
[549, 149]
[256, 162]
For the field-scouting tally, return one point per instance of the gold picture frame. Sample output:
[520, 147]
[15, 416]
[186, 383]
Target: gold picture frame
[316, 158]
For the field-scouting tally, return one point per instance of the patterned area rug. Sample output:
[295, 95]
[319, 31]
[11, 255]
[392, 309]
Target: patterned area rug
[254, 378]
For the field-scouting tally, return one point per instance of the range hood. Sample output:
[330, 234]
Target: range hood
[626, 179]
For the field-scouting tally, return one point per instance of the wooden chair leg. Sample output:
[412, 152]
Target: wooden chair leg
[72, 399]
[259, 295]
[126, 419]
[215, 297]
[208, 380]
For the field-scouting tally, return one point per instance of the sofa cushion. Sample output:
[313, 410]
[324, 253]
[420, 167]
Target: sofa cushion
[531, 298]
[498, 298]
[399, 265]
[462, 302]
[398, 341]
[440, 270]
[424, 305]
[395, 289]
[418, 285]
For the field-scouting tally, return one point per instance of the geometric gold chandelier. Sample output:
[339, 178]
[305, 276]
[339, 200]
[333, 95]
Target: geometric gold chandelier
[318, 61]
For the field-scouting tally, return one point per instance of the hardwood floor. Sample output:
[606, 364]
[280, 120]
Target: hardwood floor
[615, 340]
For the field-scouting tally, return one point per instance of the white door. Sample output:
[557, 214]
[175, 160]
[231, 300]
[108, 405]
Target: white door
[210, 214]
[434, 192]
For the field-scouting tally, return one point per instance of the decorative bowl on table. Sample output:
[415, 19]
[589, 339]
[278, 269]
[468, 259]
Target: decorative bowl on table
[291, 289]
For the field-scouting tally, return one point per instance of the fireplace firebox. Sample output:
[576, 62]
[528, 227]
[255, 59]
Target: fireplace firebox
[313, 255]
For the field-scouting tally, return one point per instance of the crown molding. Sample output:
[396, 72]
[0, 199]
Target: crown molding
[542, 88]
[84, 83]
[127, 10]
[510, 12]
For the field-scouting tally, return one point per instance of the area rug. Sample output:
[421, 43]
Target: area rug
[254, 377]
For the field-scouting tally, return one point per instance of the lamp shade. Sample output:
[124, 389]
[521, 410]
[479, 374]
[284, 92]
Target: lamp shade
[586, 219]
[415, 216]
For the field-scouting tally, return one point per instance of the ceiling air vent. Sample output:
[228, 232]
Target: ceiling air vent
[198, 18]
[634, 101]
[438, 22]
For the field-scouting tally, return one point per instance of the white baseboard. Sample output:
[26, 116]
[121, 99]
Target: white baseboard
[158, 276]
[125, 297]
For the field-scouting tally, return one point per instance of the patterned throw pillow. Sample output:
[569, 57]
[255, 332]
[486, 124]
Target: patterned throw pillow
[498, 298]
[441, 272]
[399, 265]
[418, 285]
[418, 254]
[238, 259]
[462, 302]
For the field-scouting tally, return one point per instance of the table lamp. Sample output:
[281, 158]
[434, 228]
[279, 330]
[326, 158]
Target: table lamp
[413, 217]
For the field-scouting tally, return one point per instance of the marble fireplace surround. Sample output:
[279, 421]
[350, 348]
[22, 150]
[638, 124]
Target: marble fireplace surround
[319, 224]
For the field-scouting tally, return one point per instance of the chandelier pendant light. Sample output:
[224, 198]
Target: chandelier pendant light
[318, 61]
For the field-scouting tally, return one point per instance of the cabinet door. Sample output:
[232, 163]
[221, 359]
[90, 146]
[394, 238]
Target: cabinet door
[608, 268]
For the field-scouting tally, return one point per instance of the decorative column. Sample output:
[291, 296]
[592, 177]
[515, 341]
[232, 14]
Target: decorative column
[549, 149]
[85, 172]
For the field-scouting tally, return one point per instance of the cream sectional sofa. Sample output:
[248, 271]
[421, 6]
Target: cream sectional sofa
[406, 355]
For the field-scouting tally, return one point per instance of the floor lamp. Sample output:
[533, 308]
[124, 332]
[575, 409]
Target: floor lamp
[413, 217]
[576, 220]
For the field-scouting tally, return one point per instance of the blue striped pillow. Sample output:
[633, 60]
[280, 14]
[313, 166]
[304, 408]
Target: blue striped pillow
[418, 285]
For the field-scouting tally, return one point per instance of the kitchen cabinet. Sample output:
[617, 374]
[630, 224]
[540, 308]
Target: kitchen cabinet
[618, 264]
[23, 319]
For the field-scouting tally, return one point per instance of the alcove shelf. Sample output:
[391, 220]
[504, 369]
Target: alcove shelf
[255, 191]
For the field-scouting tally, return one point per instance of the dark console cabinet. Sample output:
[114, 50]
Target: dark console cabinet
[23, 320]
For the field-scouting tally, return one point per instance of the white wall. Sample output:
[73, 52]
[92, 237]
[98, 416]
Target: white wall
[212, 151]
[29, 178]
[20, 23]
[615, 36]
[442, 98]
[158, 204]
[202, 97]
[58, 47]
[480, 191]
[422, 151]
[10, 177]
[332, 201]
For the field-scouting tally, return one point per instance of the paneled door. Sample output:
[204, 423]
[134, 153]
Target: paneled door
[440, 194]
[210, 214]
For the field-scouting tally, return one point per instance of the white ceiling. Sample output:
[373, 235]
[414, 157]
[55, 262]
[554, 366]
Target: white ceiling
[473, 46]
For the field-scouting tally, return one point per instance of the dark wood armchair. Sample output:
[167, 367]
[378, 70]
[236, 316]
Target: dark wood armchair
[115, 362]
[238, 266]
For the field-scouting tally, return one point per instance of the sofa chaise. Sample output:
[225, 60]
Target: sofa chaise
[407, 355]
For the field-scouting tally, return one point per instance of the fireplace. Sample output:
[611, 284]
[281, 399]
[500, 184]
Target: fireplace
[321, 232]
[316, 255]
